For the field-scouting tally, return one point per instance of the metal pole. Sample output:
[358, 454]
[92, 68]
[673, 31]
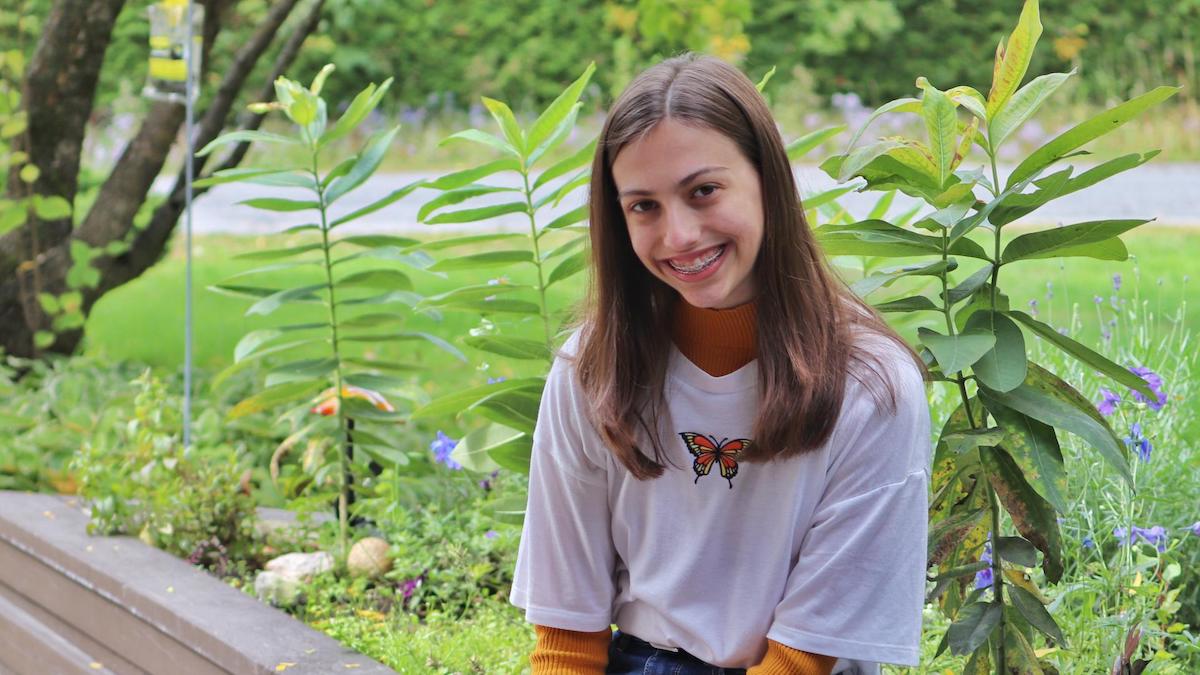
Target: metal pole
[189, 95]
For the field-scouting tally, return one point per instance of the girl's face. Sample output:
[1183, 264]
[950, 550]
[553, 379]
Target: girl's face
[693, 206]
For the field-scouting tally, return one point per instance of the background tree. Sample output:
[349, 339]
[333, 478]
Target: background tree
[53, 265]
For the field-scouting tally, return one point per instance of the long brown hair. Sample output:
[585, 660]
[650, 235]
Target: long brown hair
[806, 315]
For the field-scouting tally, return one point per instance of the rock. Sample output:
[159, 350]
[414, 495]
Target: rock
[283, 578]
[369, 558]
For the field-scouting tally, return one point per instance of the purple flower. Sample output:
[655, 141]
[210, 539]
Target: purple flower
[1116, 282]
[495, 380]
[1088, 542]
[1049, 290]
[411, 585]
[486, 483]
[1195, 528]
[1155, 383]
[1138, 442]
[1108, 402]
[1156, 536]
[1097, 299]
[491, 534]
[983, 578]
[442, 446]
[1121, 535]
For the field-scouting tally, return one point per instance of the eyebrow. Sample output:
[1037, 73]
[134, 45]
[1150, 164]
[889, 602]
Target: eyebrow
[682, 182]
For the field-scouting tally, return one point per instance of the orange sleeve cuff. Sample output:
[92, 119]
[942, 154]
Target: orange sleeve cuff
[568, 652]
[783, 660]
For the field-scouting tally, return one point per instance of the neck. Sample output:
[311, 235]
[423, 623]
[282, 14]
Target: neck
[718, 341]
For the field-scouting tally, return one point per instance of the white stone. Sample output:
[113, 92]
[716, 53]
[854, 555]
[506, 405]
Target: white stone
[283, 578]
[369, 558]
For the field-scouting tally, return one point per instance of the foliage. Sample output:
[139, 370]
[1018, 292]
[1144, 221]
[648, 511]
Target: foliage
[329, 351]
[511, 406]
[1014, 461]
[189, 501]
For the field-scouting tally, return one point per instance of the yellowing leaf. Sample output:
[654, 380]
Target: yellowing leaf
[279, 668]
[1012, 60]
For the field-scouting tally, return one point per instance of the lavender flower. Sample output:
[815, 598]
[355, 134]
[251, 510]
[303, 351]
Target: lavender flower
[983, 578]
[1097, 299]
[1156, 536]
[1033, 307]
[1195, 528]
[1138, 442]
[1155, 383]
[1116, 282]
[491, 534]
[442, 446]
[486, 483]
[1108, 402]
[1088, 542]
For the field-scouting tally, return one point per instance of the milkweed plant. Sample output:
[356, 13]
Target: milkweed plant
[998, 453]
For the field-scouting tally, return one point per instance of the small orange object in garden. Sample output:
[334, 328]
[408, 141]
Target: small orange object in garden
[327, 402]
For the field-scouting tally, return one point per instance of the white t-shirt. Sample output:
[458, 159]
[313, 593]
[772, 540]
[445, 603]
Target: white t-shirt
[824, 552]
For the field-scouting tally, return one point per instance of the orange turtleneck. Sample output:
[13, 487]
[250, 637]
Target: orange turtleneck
[718, 341]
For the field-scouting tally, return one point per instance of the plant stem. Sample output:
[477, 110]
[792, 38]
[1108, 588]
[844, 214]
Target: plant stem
[343, 463]
[537, 260]
[997, 577]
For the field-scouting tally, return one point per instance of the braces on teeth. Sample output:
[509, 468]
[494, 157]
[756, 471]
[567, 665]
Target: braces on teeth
[705, 262]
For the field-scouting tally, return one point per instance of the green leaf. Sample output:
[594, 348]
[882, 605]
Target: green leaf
[244, 137]
[1034, 447]
[859, 158]
[1033, 516]
[1017, 550]
[974, 624]
[51, 208]
[43, 339]
[570, 266]
[1035, 613]
[477, 214]
[882, 205]
[959, 442]
[494, 306]
[391, 198]
[1088, 130]
[583, 177]
[508, 124]
[276, 396]
[472, 452]
[459, 179]
[1050, 243]
[473, 292]
[264, 269]
[482, 260]
[946, 534]
[580, 157]
[278, 204]
[571, 217]
[907, 104]
[362, 105]
[1004, 366]
[806, 143]
[916, 303]
[941, 123]
[1084, 354]
[516, 408]
[366, 164]
[302, 370]
[762, 82]
[970, 99]
[546, 123]
[390, 366]
[875, 237]
[819, 199]
[1012, 61]
[252, 341]
[516, 348]
[377, 382]
[470, 240]
[1014, 206]
[484, 138]
[380, 278]
[1023, 105]
[271, 177]
[372, 320]
[459, 401]
[1048, 399]
[887, 276]
[276, 300]
[377, 240]
[403, 297]
[956, 353]
[458, 196]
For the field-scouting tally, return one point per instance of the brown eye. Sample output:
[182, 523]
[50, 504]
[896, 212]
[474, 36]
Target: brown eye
[641, 207]
[704, 190]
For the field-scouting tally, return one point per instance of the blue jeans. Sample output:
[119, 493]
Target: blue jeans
[628, 655]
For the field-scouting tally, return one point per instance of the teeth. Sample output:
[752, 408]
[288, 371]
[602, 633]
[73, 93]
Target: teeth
[699, 265]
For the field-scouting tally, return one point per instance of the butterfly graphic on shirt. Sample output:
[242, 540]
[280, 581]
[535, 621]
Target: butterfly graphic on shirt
[708, 451]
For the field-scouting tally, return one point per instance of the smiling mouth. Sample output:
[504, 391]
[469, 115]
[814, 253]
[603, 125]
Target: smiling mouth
[700, 264]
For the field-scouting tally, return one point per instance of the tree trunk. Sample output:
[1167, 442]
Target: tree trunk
[125, 190]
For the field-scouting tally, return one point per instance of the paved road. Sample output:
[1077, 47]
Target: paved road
[1168, 192]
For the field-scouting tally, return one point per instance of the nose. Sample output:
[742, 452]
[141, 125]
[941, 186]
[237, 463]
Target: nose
[681, 229]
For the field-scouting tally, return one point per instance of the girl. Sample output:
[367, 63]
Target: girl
[732, 453]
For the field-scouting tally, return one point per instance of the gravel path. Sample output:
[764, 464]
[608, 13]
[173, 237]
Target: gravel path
[1169, 193]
